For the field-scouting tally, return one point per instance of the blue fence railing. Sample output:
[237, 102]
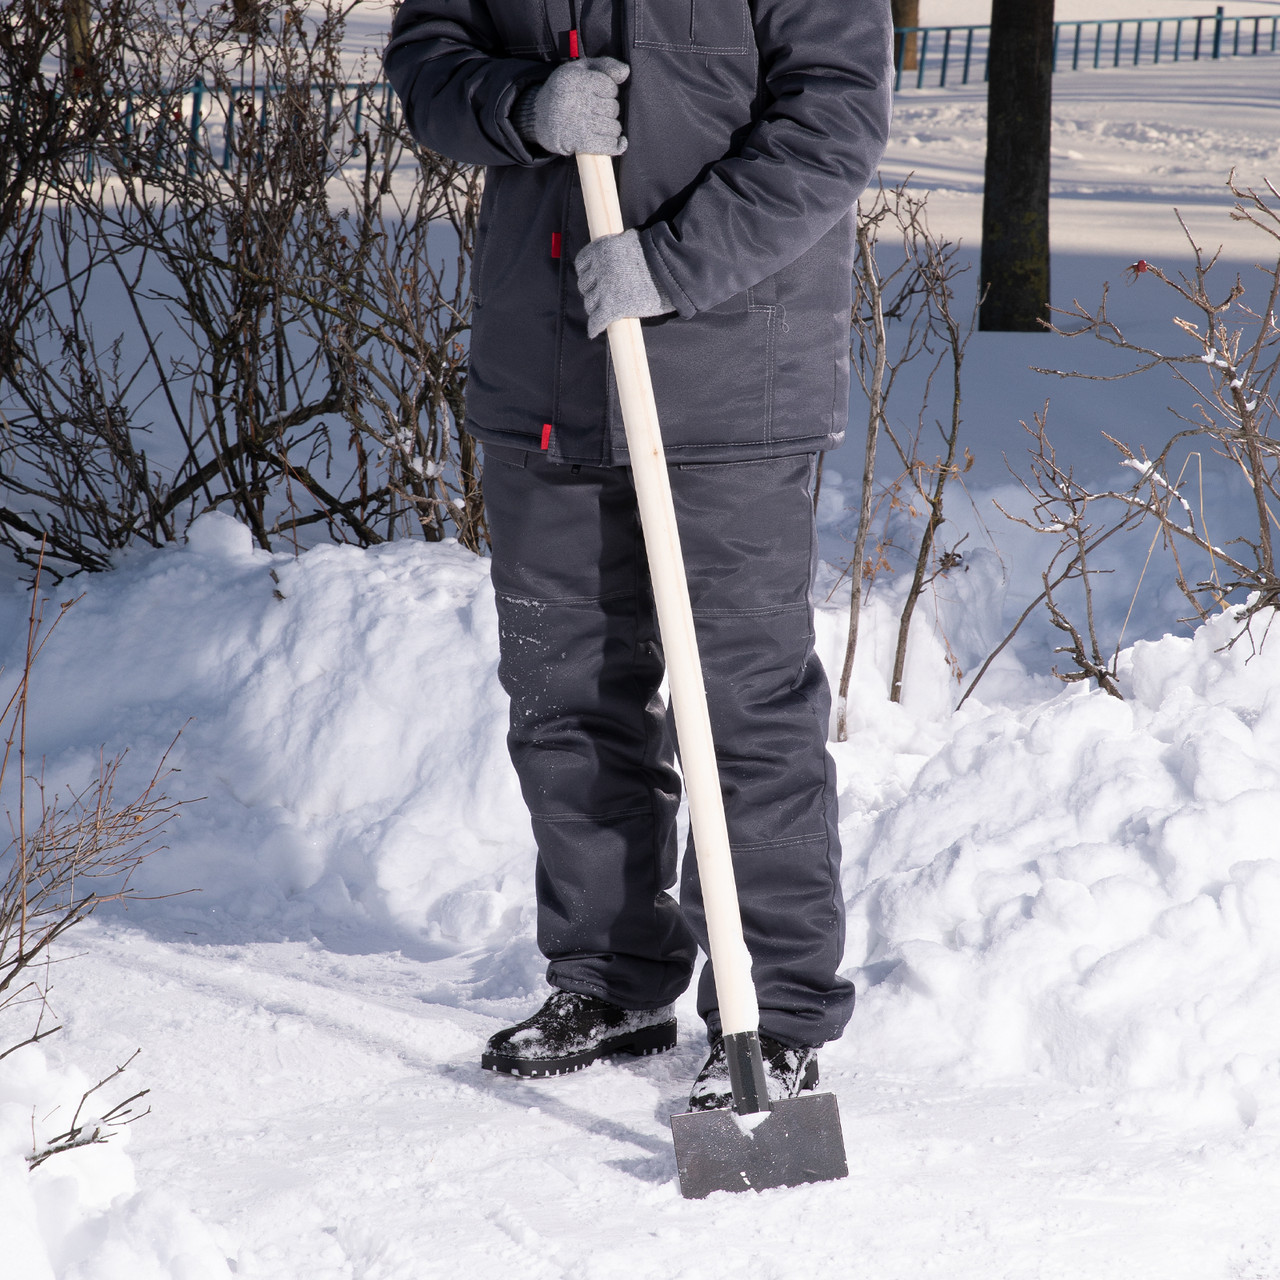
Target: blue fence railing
[201, 126]
[935, 57]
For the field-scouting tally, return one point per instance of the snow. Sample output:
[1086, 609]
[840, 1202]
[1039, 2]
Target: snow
[1128, 146]
[1065, 1060]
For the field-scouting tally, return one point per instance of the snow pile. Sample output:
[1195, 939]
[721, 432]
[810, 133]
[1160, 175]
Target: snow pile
[79, 1214]
[1069, 888]
[343, 746]
[344, 732]
[1080, 888]
[1088, 888]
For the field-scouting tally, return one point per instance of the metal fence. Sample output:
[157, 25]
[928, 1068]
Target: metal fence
[204, 123]
[351, 110]
[201, 126]
[934, 57]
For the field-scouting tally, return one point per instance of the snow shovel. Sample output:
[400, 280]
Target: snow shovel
[758, 1143]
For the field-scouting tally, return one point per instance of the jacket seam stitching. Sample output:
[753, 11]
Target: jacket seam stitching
[770, 359]
[755, 845]
[604, 815]
[639, 42]
[765, 611]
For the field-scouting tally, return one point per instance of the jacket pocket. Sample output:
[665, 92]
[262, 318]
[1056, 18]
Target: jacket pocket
[523, 28]
[713, 377]
[814, 295]
[692, 26]
[484, 232]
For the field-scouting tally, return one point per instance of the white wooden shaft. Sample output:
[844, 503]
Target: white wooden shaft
[735, 990]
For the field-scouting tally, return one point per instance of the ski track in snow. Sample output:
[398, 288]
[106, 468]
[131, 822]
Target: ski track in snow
[1066, 1056]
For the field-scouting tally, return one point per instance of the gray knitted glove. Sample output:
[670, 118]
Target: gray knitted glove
[615, 282]
[574, 109]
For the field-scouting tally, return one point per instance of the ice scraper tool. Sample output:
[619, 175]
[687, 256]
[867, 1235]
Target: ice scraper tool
[758, 1143]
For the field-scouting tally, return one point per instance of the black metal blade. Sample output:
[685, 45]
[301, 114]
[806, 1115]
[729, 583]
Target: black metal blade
[799, 1141]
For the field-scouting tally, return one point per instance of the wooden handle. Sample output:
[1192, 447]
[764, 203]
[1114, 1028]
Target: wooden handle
[735, 990]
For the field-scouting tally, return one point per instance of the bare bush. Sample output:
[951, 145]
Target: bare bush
[55, 101]
[70, 851]
[292, 280]
[92, 1130]
[401, 333]
[1061, 507]
[900, 315]
[1228, 378]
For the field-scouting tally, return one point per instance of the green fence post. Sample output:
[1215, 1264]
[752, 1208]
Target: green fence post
[193, 136]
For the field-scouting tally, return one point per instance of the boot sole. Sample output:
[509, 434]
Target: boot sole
[640, 1044]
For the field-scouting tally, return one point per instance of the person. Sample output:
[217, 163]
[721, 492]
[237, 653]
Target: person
[745, 131]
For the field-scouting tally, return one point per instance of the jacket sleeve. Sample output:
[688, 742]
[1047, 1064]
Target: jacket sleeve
[826, 67]
[457, 90]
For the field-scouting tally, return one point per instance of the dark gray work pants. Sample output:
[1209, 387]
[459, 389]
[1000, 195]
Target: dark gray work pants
[594, 750]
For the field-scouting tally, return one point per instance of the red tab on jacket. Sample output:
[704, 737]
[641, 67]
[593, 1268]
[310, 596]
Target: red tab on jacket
[546, 436]
[555, 244]
[573, 44]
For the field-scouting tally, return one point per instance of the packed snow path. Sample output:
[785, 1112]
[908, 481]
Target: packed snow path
[327, 1118]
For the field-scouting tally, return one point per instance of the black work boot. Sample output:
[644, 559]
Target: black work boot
[788, 1071]
[572, 1031]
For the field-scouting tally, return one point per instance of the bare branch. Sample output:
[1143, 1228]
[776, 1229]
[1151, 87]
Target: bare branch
[97, 1130]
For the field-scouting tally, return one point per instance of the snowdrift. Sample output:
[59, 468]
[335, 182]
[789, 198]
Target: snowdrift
[1087, 888]
[1071, 888]
[1081, 888]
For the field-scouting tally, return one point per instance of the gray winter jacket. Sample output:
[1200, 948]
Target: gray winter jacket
[753, 126]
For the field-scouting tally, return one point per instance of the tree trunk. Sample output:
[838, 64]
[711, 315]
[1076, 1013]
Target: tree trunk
[867, 267]
[1015, 206]
[906, 13]
[78, 30]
